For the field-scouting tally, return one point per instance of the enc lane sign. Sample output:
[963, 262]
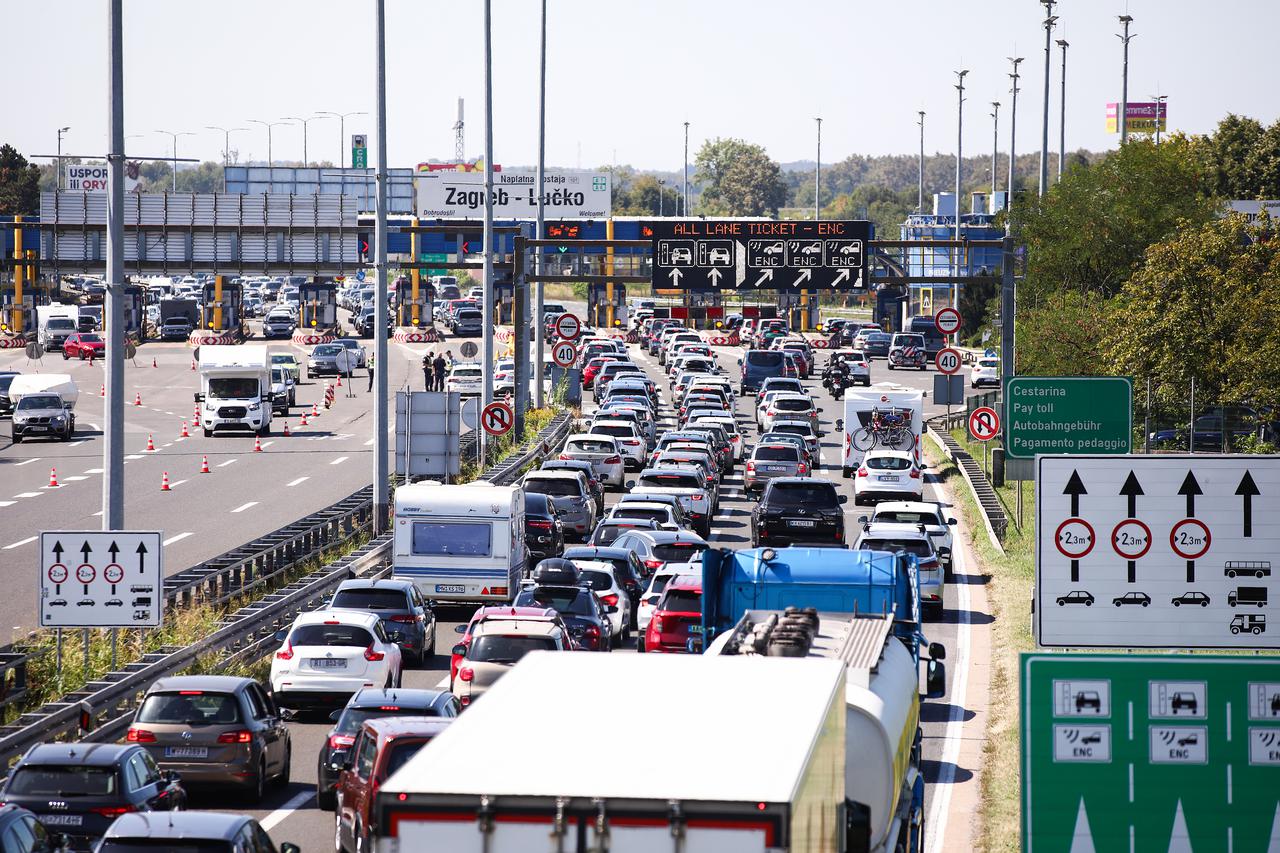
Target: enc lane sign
[564, 353]
[1149, 752]
[497, 418]
[568, 326]
[984, 423]
[1067, 414]
[1180, 564]
[100, 579]
[947, 321]
[947, 361]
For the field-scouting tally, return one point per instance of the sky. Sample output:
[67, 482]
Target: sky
[623, 76]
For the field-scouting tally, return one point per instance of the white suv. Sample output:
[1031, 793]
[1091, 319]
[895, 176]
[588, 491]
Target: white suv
[327, 655]
[930, 514]
[985, 371]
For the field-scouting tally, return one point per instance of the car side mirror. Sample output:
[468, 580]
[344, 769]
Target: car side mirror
[839, 424]
[396, 636]
[951, 521]
[340, 760]
[844, 499]
[460, 650]
[862, 519]
[287, 847]
[937, 651]
[935, 682]
[199, 397]
[460, 629]
[739, 361]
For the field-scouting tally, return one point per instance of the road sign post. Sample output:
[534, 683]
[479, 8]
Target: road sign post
[1067, 414]
[1143, 752]
[100, 579]
[1182, 565]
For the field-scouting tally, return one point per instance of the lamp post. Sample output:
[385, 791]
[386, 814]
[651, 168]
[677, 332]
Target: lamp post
[817, 173]
[303, 121]
[539, 297]
[342, 132]
[1049, 21]
[995, 147]
[268, 125]
[955, 285]
[1062, 119]
[661, 209]
[175, 136]
[1159, 99]
[1013, 133]
[920, 185]
[57, 175]
[1126, 20]
[226, 148]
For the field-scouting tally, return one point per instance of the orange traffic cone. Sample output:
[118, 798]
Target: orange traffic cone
[303, 422]
[53, 478]
[193, 364]
[315, 410]
[151, 445]
[153, 361]
[164, 482]
[137, 398]
[257, 445]
[339, 380]
[204, 464]
[103, 392]
[286, 429]
[184, 434]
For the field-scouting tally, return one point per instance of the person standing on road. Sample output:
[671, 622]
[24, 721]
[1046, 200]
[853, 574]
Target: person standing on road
[437, 367]
[426, 371]
[370, 388]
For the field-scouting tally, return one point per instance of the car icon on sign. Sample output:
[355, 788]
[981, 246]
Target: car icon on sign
[1183, 701]
[1092, 737]
[1132, 598]
[115, 602]
[774, 248]
[719, 255]
[1189, 740]
[681, 255]
[58, 602]
[1076, 596]
[849, 249]
[85, 602]
[811, 249]
[1191, 598]
[1088, 699]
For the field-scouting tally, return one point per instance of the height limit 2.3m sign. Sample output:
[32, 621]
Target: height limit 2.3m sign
[1158, 551]
[701, 254]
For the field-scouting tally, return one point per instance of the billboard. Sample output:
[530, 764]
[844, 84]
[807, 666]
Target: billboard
[1139, 117]
[567, 194]
[1253, 210]
[93, 179]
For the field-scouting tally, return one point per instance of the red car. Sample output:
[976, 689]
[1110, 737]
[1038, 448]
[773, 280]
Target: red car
[502, 611]
[381, 748]
[83, 345]
[677, 618]
[597, 364]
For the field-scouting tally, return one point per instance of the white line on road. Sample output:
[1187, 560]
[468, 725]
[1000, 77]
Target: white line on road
[228, 462]
[75, 444]
[7, 503]
[176, 483]
[369, 443]
[20, 543]
[268, 443]
[27, 495]
[297, 481]
[243, 507]
[133, 456]
[75, 478]
[94, 471]
[177, 538]
[287, 809]
[27, 462]
[340, 460]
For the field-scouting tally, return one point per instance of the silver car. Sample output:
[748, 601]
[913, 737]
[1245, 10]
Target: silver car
[602, 452]
[773, 460]
[571, 495]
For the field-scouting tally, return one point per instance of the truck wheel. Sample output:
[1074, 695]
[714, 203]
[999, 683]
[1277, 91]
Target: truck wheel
[17, 438]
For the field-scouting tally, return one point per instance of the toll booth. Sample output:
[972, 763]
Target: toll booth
[504, 295]
[598, 306]
[222, 310]
[705, 309]
[318, 305]
[404, 302]
[889, 306]
[11, 318]
[132, 309]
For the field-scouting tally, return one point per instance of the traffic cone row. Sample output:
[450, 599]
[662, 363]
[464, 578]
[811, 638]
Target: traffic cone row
[184, 433]
[257, 445]
[151, 445]
[153, 361]
[204, 464]
[103, 392]
[53, 478]
[193, 364]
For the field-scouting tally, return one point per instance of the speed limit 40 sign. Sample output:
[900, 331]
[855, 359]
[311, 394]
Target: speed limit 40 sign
[948, 361]
[564, 353]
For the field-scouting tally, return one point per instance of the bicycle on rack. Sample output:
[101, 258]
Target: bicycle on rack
[889, 428]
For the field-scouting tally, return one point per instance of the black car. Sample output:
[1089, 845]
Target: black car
[627, 568]
[593, 481]
[581, 610]
[798, 510]
[401, 608]
[877, 344]
[6, 378]
[366, 705]
[175, 329]
[22, 832]
[543, 532]
[78, 789]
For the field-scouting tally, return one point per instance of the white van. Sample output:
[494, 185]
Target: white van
[460, 543]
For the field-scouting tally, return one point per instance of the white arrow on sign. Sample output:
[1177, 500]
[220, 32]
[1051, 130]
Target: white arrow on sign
[767, 275]
[740, 264]
[714, 274]
[843, 275]
[804, 276]
[675, 277]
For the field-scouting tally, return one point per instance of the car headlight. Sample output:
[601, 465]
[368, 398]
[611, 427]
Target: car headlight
[57, 419]
[253, 407]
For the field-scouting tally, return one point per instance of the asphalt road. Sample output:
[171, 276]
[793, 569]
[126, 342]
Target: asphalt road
[292, 814]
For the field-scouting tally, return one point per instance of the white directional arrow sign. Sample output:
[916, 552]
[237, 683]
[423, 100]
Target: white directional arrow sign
[714, 274]
[843, 275]
[767, 275]
[118, 577]
[675, 277]
[804, 276]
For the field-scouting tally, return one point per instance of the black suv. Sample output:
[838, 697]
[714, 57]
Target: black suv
[543, 532]
[798, 510]
[78, 789]
[556, 584]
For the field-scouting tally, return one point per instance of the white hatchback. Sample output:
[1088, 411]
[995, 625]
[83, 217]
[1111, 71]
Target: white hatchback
[602, 451]
[327, 655]
[465, 378]
[888, 475]
[599, 575]
[985, 371]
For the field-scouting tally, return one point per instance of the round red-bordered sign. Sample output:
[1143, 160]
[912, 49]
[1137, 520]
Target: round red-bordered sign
[984, 423]
[497, 418]
[568, 326]
[113, 573]
[85, 573]
[1131, 539]
[564, 353]
[947, 361]
[58, 573]
[1071, 534]
[947, 321]
[1181, 541]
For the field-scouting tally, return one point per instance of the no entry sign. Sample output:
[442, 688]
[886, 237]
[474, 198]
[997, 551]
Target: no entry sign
[984, 423]
[947, 361]
[497, 418]
[564, 353]
[568, 326]
[947, 321]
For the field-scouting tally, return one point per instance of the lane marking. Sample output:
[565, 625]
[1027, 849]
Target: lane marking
[270, 821]
[243, 507]
[20, 543]
[368, 443]
[75, 478]
[7, 503]
[176, 483]
[268, 443]
[340, 460]
[93, 471]
[177, 538]
[76, 443]
[228, 462]
[28, 494]
[26, 462]
[133, 456]
[297, 481]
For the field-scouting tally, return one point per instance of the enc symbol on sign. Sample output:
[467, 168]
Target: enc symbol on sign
[947, 321]
[497, 418]
[947, 361]
[984, 423]
[564, 353]
[568, 326]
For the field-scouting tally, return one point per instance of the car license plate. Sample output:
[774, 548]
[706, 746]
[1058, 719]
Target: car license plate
[888, 478]
[329, 663]
[37, 429]
[455, 588]
[186, 752]
[775, 467]
[62, 819]
[695, 628]
[802, 523]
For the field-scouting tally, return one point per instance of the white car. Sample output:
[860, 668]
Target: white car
[930, 514]
[888, 475]
[789, 406]
[730, 424]
[985, 371]
[465, 378]
[916, 542]
[327, 655]
[630, 439]
[657, 584]
[663, 513]
[602, 451]
[599, 575]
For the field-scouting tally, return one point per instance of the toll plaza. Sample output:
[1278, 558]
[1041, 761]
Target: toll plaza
[222, 310]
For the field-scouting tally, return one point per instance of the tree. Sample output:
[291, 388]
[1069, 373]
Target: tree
[641, 198]
[1060, 336]
[19, 184]
[738, 179]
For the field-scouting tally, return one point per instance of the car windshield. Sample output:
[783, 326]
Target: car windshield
[879, 337]
[233, 387]
[555, 487]
[452, 539]
[278, 375]
[597, 579]
[90, 339]
[821, 495]
[327, 349]
[330, 635]
[62, 781]
[370, 599]
[677, 552]
[39, 401]
[5, 380]
[617, 430]
[909, 341]
[915, 547]
[468, 372]
[192, 707]
[282, 359]
[671, 480]
[60, 323]
[903, 516]
[888, 463]
[573, 601]
[681, 601]
[764, 358]
[587, 445]
[777, 453]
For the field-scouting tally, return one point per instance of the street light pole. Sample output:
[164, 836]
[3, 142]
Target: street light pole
[995, 147]
[57, 175]
[1159, 99]
[113, 310]
[226, 148]
[380, 366]
[1013, 136]
[1126, 20]
[1062, 119]
[175, 151]
[661, 209]
[490, 301]
[685, 208]
[539, 331]
[268, 125]
[342, 132]
[920, 186]
[1049, 21]
[955, 285]
[817, 173]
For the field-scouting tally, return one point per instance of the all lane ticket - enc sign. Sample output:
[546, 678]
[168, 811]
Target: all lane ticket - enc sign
[1068, 414]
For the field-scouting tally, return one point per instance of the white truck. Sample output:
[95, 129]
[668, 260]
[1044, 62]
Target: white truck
[870, 415]
[56, 321]
[235, 388]
[460, 542]
[754, 764]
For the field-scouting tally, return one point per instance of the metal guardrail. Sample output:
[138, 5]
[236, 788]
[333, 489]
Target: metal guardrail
[101, 710]
[985, 495]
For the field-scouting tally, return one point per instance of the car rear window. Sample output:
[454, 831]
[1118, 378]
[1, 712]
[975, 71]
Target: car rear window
[783, 385]
[330, 635]
[507, 648]
[915, 547]
[168, 845]
[681, 601]
[606, 533]
[617, 430]
[555, 487]
[401, 752]
[888, 463]
[909, 341]
[677, 552]
[771, 359]
[904, 517]
[821, 495]
[63, 781]
[352, 717]
[671, 481]
[559, 599]
[451, 539]
[193, 707]
[777, 453]
[632, 511]
[789, 428]
[371, 599]
[597, 579]
[791, 404]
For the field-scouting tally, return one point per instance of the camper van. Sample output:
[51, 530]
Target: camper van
[460, 543]
[235, 388]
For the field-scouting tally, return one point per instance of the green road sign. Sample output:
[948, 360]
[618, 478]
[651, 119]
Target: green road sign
[359, 158]
[434, 258]
[1150, 752]
[1067, 414]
